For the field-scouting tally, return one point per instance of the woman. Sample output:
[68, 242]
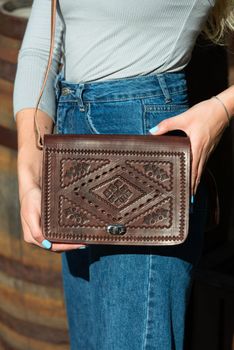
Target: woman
[123, 72]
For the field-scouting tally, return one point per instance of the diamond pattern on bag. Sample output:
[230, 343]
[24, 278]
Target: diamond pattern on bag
[117, 191]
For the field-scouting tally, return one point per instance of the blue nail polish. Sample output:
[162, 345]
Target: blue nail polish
[82, 247]
[46, 244]
[154, 129]
[192, 199]
[191, 204]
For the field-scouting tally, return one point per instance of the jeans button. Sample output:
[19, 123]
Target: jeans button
[65, 91]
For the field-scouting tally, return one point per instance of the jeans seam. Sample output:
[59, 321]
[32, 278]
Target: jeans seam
[58, 122]
[150, 107]
[170, 308]
[148, 305]
[89, 121]
[144, 125]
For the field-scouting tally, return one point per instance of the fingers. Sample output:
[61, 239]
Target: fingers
[30, 220]
[199, 173]
[200, 158]
[196, 157]
[60, 247]
[29, 237]
[202, 163]
[31, 224]
[170, 124]
[33, 235]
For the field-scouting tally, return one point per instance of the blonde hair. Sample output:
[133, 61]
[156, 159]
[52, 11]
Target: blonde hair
[220, 21]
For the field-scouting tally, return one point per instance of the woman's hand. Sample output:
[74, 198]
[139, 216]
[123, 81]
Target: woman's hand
[204, 123]
[29, 164]
[30, 214]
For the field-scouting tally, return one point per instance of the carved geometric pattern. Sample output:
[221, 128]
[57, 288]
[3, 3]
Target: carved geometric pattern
[72, 215]
[118, 192]
[159, 171]
[73, 169]
[158, 216]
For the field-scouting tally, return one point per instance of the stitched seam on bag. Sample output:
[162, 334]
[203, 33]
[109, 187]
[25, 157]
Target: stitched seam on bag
[106, 238]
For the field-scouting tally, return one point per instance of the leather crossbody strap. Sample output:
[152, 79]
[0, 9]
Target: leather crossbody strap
[39, 138]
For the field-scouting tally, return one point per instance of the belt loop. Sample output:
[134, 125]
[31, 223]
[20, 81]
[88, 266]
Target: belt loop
[163, 85]
[79, 93]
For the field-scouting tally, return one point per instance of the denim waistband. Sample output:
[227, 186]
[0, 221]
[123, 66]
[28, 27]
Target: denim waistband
[143, 86]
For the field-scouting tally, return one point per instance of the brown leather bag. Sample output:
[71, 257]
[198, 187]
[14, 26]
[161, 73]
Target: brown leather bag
[114, 189]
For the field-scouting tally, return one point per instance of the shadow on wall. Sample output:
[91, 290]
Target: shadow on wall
[211, 315]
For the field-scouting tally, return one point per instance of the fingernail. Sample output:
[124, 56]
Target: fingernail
[82, 247]
[192, 199]
[46, 244]
[154, 129]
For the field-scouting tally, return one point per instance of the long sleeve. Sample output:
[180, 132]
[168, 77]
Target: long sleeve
[33, 58]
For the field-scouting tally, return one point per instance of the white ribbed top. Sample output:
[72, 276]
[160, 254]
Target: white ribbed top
[105, 39]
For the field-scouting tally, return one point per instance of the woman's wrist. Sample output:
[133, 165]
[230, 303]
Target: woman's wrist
[25, 129]
[29, 157]
[29, 169]
[227, 98]
[28, 179]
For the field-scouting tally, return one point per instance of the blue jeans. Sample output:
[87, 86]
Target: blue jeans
[125, 297]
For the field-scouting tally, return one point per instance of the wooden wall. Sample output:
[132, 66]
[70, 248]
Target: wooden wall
[32, 312]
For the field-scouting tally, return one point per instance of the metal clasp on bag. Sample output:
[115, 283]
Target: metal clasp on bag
[116, 229]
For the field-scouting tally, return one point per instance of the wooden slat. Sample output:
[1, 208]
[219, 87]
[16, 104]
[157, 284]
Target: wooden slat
[32, 310]
[4, 345]
[29, 273]
[37, 331]
[8, 160]
[8, 70]
[25, 253]
[9, 49]
[8, 138]
[6, 87]
[6, 111]
[19, 342]
[35, 308]
[29, 288]
[11, 26]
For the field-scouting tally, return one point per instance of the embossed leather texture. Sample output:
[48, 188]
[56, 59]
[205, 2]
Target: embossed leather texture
[116, 189]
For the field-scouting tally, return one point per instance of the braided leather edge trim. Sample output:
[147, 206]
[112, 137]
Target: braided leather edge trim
[107, 152]
[84, 237]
